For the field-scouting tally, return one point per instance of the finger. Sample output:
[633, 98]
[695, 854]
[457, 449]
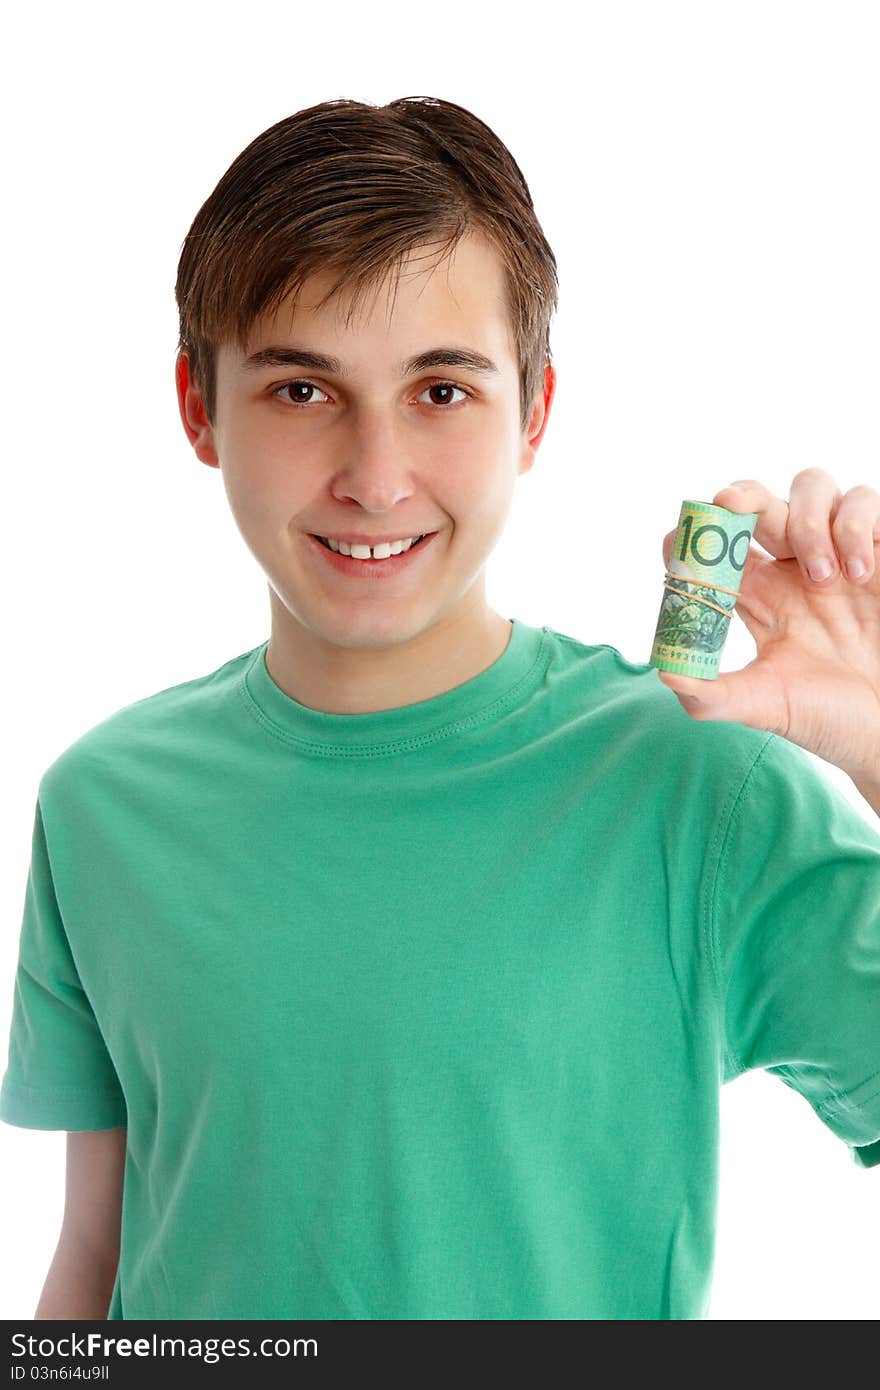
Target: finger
[815, 498]
[667, 545]
[771, 528]
[856, 530]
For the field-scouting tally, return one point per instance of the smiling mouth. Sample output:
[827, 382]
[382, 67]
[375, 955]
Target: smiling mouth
[329, 547]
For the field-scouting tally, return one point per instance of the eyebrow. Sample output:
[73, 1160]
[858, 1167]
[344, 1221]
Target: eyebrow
[454, 356]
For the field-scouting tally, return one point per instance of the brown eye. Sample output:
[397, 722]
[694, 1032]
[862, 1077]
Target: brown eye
[446, 386]
[295, 386]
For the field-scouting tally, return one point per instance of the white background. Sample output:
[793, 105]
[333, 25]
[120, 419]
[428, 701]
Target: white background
[707, 176]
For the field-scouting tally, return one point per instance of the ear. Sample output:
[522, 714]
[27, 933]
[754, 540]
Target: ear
[538, 419]
[191, 405]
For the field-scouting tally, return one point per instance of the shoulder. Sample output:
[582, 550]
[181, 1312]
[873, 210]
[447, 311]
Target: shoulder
[646, 720]
[722, 770]
[147, 728]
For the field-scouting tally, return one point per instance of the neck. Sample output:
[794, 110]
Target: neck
[345, 679]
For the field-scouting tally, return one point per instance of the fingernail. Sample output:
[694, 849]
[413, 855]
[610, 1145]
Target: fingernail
[819, 570]
[855, 569]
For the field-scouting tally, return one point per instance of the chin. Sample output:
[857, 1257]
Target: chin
[355, 627]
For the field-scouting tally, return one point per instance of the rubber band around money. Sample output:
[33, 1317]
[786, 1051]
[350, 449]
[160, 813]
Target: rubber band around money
[698, 598]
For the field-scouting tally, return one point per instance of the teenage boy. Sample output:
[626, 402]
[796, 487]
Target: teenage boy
[392, 969]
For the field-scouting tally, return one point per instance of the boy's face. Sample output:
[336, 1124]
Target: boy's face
[368, 451]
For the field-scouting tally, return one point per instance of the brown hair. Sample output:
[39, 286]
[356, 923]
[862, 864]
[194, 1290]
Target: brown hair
[348, 186]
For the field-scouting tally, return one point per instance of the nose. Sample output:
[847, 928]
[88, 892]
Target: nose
[376, 472]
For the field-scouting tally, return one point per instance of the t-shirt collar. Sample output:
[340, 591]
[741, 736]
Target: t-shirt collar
[474, 701]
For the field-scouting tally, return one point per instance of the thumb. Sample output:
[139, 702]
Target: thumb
[749, 696]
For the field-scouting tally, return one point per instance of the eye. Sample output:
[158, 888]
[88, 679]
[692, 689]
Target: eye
[310, 386]
[446, 386]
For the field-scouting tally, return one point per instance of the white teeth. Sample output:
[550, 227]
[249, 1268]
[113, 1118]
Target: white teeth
[376, 552]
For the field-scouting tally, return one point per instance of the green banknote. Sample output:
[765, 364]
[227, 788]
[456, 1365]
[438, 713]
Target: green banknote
[700, 588]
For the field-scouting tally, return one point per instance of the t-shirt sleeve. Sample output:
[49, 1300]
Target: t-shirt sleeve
[59, 1074]
[795, 921]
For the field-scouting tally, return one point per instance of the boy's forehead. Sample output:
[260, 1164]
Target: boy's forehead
[460, 298]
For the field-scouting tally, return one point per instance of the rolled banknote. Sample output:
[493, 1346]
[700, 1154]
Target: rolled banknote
[700, 588]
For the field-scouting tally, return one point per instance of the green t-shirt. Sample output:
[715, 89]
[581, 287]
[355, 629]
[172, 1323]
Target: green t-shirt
[424, 1013]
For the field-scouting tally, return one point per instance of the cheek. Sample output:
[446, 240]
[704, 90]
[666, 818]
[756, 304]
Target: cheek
[480, 511]
[477, 466]
[260, 473]
[263, 498]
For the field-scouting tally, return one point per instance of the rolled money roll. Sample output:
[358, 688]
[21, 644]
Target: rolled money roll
[700, 588]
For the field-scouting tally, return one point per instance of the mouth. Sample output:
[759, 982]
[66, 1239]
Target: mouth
[323, 540]
[352, 567]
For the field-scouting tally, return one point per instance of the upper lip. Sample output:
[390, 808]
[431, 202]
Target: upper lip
[371, 540]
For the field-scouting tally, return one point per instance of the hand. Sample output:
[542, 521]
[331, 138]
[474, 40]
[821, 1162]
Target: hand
[816, 677]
